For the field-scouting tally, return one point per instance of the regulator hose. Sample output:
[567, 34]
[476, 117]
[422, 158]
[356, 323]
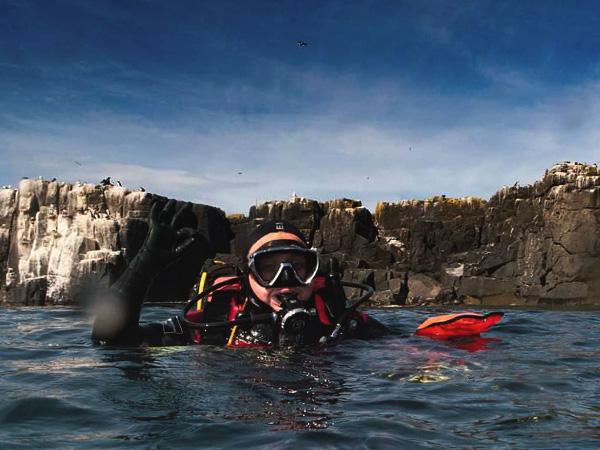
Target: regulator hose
[272, 317]
[339, 326]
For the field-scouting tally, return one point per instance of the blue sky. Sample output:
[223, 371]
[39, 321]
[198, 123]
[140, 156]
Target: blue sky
[389, 100]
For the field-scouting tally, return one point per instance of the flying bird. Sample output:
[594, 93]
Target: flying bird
[240, 173]
[301, 44]
[78, 163]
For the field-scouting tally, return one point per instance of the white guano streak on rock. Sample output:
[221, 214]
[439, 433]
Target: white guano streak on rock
[63, 245]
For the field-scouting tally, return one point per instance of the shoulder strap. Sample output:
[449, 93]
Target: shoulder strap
[213, 271]
[321, 308]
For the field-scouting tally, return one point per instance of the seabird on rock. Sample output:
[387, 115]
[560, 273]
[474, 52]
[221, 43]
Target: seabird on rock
[52, 180]
[141, 189]
[106, 182]
[119, 183]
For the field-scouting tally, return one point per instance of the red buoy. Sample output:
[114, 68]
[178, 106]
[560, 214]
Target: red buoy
[458, 325]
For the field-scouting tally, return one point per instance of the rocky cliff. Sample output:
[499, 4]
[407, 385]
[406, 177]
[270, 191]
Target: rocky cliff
[58, 239]
[537, 244]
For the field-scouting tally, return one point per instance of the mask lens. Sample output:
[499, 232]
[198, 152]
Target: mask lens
[304, 263]
[305, 266]
[267, 268]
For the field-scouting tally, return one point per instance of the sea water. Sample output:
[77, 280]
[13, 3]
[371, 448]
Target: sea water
[533, 382]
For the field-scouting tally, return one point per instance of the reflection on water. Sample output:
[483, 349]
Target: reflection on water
[532, 382]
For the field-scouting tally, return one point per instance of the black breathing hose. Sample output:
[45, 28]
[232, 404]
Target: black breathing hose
[336, 333]
[250, 320]
[202, 294]
[270, 317]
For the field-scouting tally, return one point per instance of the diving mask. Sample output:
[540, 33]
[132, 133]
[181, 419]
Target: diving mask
[285, 266]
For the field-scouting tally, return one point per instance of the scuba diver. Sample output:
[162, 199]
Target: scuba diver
[279, 298]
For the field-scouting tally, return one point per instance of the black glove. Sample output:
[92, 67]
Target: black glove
[167, 238]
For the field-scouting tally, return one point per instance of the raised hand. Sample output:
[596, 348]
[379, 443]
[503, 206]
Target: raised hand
[168, 239]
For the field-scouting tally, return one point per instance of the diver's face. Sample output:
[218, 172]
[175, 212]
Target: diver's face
[269, 295]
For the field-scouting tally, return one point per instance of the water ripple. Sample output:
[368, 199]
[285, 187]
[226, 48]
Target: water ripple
[533, 383]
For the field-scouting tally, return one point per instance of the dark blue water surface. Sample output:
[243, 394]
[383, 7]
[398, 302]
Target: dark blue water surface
[536, 383]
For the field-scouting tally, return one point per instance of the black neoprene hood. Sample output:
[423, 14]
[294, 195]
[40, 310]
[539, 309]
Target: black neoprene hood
[272, 226]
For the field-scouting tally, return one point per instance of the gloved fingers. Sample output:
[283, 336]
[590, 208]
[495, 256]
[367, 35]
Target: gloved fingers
[184, 233]
[181, 249]
[167, 212]
[179, 217]
[154, 212]
[189, 239]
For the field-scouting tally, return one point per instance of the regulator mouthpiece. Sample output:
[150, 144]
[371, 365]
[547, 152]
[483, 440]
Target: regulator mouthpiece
[294, 317]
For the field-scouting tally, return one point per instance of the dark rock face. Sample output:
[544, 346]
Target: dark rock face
[536, 244]
[527, 245]
[305, 214]
[422, 234]
[540, 243]
[57, 239]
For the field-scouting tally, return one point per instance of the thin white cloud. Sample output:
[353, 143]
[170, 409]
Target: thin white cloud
[161, 178]
[510, 79]
[360, 141]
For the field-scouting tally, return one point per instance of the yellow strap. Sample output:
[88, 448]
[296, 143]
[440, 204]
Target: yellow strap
[234, 329]
[232, 336]
[200, 289]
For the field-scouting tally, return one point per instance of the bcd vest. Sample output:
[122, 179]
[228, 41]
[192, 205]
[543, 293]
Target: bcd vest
[225, 303]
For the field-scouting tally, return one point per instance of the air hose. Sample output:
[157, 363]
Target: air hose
[272, 317]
